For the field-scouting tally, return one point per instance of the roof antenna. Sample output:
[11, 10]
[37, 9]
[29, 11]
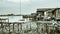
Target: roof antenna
[57, 5]
[20, 7]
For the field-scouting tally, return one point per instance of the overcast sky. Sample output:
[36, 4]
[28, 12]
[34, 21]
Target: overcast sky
[26, 6]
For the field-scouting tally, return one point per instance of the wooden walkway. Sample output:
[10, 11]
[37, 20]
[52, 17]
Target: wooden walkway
[20, 25]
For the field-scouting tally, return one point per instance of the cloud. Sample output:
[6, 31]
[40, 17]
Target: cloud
[9, 7]
[32, 5]
[19, 1]
[25, 1]
[26, 6]
[15, 1]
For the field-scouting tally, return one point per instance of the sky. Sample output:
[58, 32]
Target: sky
[26, 6]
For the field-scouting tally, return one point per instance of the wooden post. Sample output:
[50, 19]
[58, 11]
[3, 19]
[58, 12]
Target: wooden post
[21, 26]
[38, 28]
[13, 27]
[30, 25]
[2, 25]
[18, 28]
[46, 29]
[9, 28]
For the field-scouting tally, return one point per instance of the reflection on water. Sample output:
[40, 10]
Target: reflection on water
[13, 18]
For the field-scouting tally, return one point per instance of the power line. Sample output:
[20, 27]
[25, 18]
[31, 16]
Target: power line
[20, 6]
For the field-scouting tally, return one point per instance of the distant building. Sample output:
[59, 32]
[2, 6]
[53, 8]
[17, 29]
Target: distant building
[52, 12]
[45, 13]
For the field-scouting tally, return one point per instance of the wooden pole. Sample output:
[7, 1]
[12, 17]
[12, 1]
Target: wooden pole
[13, 27]
[18, 28]
[9, 28]
[38, 28]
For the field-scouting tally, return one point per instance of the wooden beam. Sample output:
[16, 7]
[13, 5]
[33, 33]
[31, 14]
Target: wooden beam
[46, 22]
[12, 22]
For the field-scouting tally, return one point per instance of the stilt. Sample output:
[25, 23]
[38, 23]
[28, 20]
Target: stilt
[13, 27]
[9, 28]
[38, 28]
[18, 28]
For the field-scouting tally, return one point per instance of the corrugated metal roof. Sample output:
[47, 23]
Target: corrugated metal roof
[46, 9]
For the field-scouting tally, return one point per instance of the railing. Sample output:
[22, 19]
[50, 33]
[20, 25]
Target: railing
[9, 27]
[6, 26]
